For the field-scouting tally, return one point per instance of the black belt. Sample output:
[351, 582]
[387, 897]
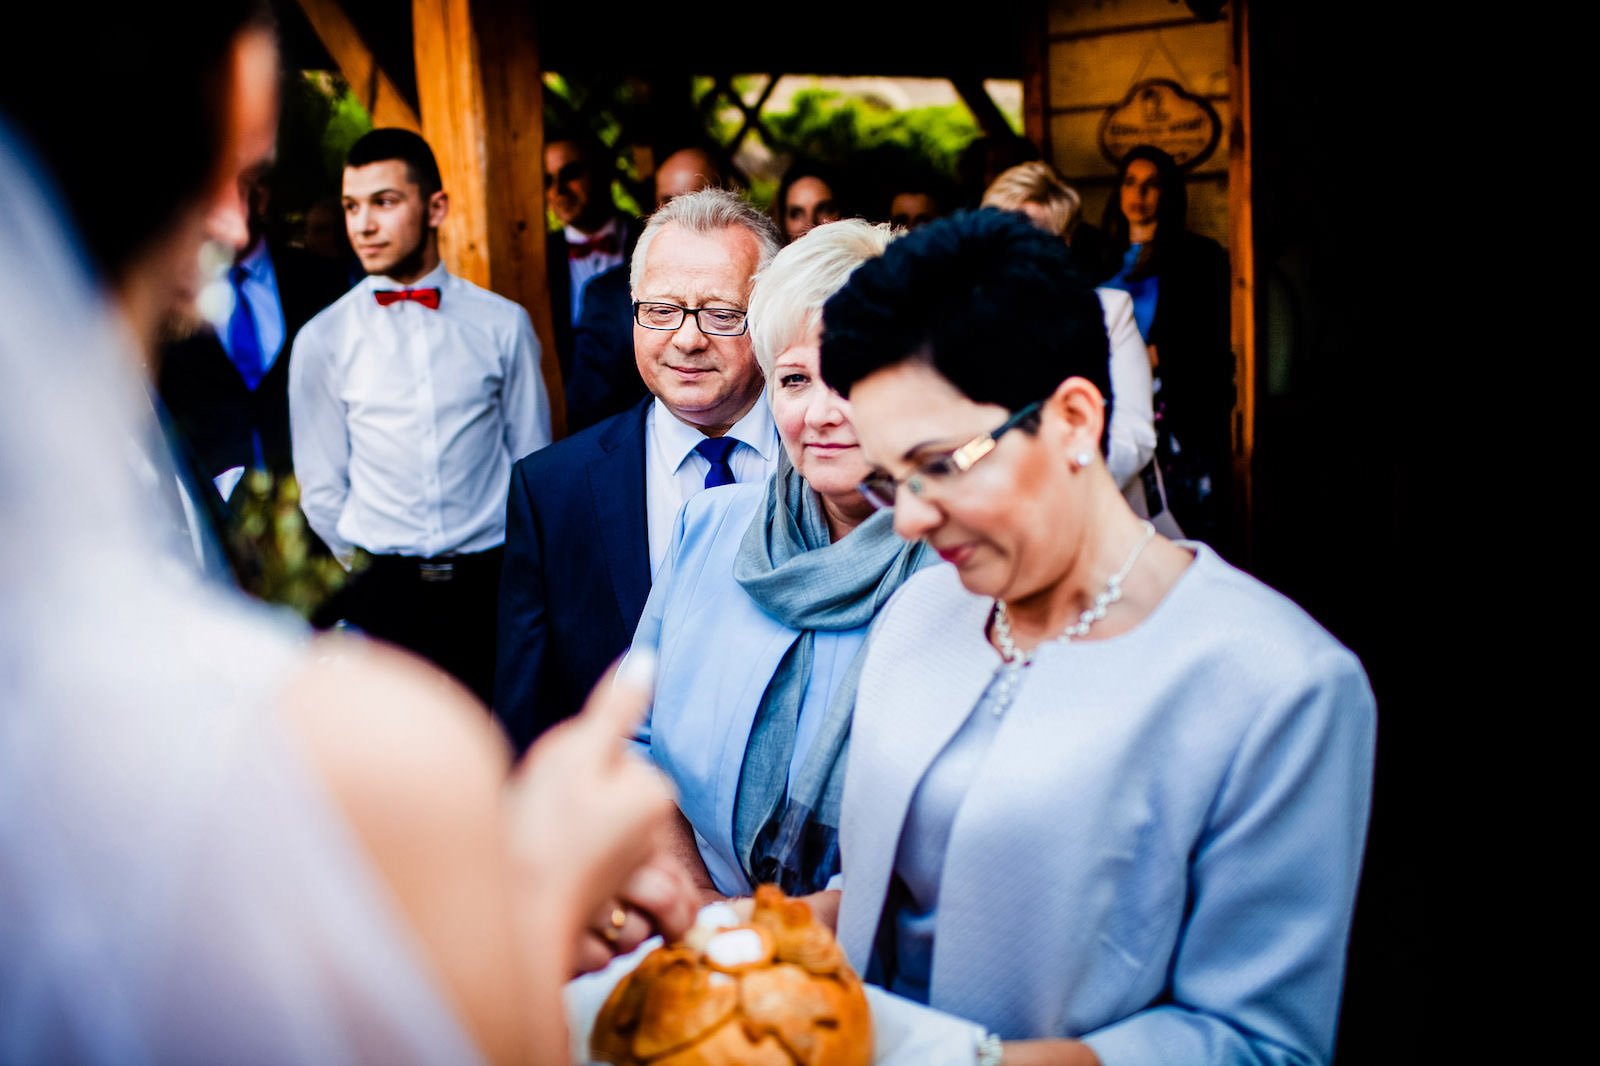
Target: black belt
[440, 568]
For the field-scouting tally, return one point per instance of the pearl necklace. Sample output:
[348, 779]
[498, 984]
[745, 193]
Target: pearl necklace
[1013, 660]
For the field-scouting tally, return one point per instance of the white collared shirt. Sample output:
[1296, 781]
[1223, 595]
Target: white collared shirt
[593, 264]
[674, 471]
[405, 421]
[260, 288]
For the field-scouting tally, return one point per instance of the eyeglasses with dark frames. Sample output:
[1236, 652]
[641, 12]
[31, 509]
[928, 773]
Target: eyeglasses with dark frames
[880, 488]
[712, 321]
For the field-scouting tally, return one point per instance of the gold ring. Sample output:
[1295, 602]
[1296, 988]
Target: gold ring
[612, 932]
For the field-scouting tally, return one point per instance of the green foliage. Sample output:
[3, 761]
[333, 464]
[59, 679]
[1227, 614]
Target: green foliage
[277, 556]
[830, 126]
[321, 119]
[348, 121]
[606, 125]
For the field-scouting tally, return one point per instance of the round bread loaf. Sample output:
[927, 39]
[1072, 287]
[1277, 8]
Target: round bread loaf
[776, 990]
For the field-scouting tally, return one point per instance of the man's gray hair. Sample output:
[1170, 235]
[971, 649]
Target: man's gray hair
[788, 296]
[705, 212]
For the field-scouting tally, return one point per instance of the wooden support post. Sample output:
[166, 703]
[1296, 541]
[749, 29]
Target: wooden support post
[1241, 241]
[1035, 83]
[371, 85]
[480, 89]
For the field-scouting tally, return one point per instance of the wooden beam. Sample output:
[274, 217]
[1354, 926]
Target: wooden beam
[513, 93]
[1241, 244]
[1036, 84]
[371, 85]
[981, 104]
[480, 89]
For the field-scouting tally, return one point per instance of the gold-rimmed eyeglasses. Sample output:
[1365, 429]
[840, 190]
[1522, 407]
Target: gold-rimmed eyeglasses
[880, 488]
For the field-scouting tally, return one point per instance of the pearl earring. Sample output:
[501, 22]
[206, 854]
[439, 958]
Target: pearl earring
[1083, 459]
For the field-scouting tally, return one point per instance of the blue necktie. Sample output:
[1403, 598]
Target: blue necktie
[715, 450]
[244, 343]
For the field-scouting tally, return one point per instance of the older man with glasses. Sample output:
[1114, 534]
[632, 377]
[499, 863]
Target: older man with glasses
[590, 518]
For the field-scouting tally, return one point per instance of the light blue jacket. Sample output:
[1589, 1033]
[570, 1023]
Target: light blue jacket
[1159, 850]
[716, 651]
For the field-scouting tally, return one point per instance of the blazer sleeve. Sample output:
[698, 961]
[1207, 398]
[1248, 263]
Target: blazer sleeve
[652, 621]
[522, 635]
[1133, 430]
[1259, 964]
[524, 405]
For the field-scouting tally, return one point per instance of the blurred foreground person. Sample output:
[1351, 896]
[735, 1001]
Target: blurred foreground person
[204, 855]
[1107, 795]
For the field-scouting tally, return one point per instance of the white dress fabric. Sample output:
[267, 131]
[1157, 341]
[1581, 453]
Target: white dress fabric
[175, 885]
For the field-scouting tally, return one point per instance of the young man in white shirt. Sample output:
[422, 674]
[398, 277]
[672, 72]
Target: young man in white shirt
[409, 399]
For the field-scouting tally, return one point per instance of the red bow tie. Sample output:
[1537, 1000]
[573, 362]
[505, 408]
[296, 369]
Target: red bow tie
[428, 298]
[606, 244]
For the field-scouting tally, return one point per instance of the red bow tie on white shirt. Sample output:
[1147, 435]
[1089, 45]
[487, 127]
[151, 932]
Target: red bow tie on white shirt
[428, 298]
[606, 244]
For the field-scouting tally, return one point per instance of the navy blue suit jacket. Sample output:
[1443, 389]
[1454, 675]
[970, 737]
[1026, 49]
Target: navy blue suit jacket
[576, 571]
[604, 378]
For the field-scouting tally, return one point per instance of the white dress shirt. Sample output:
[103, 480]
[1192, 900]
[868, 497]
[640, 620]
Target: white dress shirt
[674, 471]
[260, 288]
[593, 264]
[405, 421]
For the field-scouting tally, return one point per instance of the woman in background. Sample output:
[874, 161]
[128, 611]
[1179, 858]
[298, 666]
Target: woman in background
[1052, 205]
[1179, 282]
[809, 196]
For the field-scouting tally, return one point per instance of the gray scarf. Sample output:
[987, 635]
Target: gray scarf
[788, 566]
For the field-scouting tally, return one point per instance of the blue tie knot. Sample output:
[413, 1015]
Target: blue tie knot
[716, 450]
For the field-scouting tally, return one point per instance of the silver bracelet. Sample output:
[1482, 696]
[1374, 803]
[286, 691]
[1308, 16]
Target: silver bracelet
[989, 1050]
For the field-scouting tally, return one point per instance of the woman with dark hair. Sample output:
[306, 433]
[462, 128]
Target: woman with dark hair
[809, 195]
[1179, 282]
[1106, 794]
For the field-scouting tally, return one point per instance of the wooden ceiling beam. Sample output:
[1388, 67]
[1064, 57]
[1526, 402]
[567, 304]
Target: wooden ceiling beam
[481, 92]
[375, 89]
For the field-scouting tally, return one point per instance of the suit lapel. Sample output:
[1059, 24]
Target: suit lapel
[617, 494]
[905, 721]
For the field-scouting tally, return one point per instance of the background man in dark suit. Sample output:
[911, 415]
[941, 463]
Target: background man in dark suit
[594, 236]
[601, 379]
[589, 519]
[227, 389]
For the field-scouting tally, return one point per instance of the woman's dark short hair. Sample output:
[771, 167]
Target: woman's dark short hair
[984, 298]
[382, 145]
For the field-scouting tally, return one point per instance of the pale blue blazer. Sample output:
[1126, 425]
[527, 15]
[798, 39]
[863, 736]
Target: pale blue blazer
[716, 651]
[1159, 851]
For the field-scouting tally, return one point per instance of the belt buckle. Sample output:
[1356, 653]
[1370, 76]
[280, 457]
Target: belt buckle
[436, 572]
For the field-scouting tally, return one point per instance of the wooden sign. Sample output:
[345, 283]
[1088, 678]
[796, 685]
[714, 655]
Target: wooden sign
[1162, 113]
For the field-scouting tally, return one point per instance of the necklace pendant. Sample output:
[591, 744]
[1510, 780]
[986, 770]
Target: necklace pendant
[1007, 679]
